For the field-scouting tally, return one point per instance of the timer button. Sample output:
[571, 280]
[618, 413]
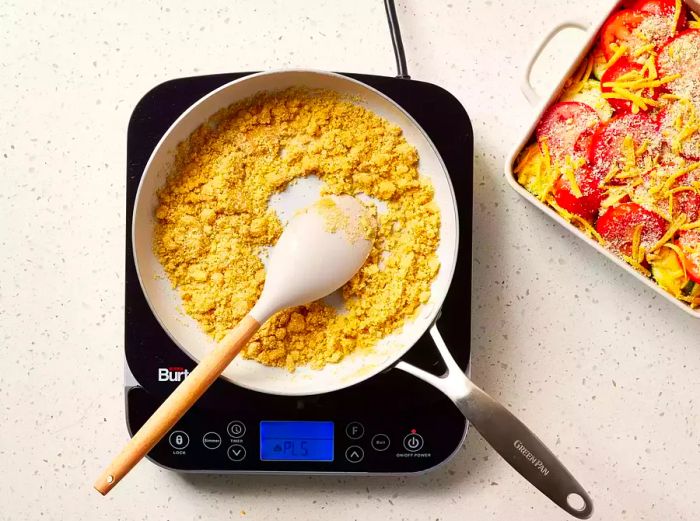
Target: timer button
[179, 440]
[236, 429]
[413, 442]
[355, 430]
[211, 440]
[354, 454]
[380, 442]
[236, 452]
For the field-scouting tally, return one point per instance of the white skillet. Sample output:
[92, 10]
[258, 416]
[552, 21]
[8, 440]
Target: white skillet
[516, 444]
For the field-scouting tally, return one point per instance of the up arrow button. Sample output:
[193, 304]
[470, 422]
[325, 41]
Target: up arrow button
[354, 454]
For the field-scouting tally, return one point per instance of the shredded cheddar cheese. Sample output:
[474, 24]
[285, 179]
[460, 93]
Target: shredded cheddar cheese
[675, 226]
[583, 224]
[548, 171]
[615, 194]
[691, 226]
[636, 265]
[636, 86]
[619, 52]
[671, 97]
[695, 23]
[677, 13]
[580, 78]
[637, 241]
[644, 49]
[613, 173]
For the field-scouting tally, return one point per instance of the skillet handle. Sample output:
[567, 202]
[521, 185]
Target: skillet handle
[177, 404]
[524, 451]
[525, 86]
[516, 444]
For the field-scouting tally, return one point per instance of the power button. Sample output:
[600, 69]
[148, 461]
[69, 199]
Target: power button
[413, 442]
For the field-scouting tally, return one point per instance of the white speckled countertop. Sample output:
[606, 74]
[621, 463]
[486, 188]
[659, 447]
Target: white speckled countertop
[603, 368]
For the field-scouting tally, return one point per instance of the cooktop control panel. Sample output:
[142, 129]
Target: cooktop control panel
[226, 442]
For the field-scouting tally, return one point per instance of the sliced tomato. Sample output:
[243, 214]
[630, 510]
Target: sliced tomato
[562, 124]
[588, 204]
[619, 28]
[689, 241]
[618, 224]
[681, 55]
[583, 143]
[688, 201]
[663, 7]
[621, 67]
[605, 151]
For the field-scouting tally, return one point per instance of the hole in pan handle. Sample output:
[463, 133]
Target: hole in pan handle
[526, 86]
[519, 446]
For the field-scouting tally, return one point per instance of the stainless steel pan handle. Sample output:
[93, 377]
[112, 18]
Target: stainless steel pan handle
[517, 444]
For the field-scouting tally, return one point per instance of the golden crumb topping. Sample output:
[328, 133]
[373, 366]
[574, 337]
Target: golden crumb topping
[214, 221]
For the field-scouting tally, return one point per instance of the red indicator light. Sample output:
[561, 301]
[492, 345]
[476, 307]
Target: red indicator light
[413, 431]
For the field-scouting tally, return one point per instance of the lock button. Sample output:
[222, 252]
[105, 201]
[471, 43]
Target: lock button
[179, 440]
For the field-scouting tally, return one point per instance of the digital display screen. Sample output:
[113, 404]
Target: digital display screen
[296, 441]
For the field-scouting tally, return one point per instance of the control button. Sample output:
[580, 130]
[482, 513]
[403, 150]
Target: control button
[355, 430]
[354, 454]
[211, 440]
[236, 453]
[236, 429]
[413, 442]
[380, 442]
[179, 440]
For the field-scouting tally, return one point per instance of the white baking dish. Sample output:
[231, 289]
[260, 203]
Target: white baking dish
[541, 103]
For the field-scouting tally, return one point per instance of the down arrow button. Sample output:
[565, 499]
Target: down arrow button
[236, 452]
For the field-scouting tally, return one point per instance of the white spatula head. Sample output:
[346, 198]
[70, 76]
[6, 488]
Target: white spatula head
[320, 250]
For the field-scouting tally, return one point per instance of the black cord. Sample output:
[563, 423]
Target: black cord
[396, 39]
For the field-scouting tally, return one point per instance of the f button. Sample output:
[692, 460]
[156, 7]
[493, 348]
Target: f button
[355, 430]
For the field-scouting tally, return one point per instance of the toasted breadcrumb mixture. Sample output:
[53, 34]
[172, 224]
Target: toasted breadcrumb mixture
[214, 221]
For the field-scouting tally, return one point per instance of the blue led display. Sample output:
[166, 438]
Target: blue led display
[296, 441]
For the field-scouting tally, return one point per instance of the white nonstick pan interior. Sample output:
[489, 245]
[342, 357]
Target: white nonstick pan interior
[165, 301]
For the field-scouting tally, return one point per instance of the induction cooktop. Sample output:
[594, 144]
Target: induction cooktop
[392, 423]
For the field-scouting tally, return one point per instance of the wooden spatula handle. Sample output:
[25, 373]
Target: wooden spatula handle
[177, 404]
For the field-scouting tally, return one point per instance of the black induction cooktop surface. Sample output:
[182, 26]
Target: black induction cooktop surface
[391, 423]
